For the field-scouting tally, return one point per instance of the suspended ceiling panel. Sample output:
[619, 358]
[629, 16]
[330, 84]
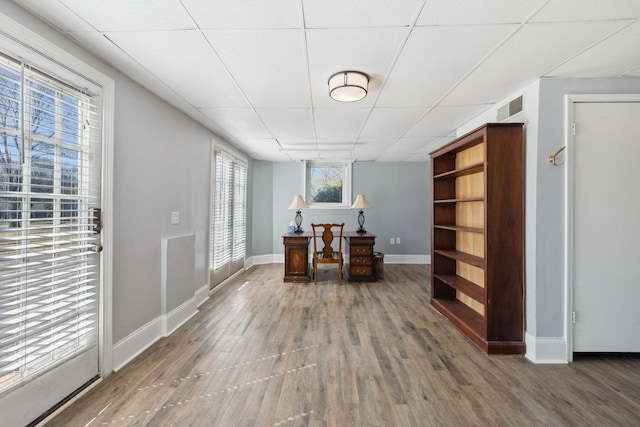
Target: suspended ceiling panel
[255, 72]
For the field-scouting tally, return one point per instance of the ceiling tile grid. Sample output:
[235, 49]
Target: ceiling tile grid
[255, 72]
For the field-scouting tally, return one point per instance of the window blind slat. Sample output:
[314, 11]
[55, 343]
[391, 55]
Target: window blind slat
[48, 272]
[228, 221]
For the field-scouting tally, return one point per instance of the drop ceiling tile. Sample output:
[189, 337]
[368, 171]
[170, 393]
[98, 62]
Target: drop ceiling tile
[127, 15]
[532, 52]
[288, 123]
[183, 61]
[269, 65]
[370, 51]
[443, 120]
[410, 146]
[245, 14]
[426, 69]
[57, 14]
[465, 12]
[370, 149]
[390, 122]
[613, 57]
[339, 122]
[298, 143]
[262, 149]
[359, 13]
[242, 122]
[587, 10]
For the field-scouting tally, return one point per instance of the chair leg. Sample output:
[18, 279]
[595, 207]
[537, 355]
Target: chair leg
[315, 272]
[340, 273]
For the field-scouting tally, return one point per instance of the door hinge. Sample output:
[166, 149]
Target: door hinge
[573, 317]
[573, 129]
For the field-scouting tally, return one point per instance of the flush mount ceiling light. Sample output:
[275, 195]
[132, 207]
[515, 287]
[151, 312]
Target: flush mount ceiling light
[348, 86]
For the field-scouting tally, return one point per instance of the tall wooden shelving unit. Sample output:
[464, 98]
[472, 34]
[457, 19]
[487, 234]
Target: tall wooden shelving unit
[477, 243]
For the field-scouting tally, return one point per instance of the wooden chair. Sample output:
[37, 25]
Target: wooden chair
[327, 255]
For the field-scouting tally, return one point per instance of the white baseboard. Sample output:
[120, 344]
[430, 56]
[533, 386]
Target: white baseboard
[128, 348]
[131, 346]
[202, 294]
[546, 350]
[407, 259]
[388, 259]
[264, 259]
[178, 316]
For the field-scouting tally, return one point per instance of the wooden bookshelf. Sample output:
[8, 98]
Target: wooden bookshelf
[477, 244]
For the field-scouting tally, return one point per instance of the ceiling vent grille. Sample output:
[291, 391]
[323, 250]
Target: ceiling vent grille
[510, 109]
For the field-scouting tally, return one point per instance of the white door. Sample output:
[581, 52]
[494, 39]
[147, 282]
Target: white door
[606, 227]
[49, 264]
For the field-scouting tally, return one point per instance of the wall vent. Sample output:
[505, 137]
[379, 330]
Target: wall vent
[509, 109]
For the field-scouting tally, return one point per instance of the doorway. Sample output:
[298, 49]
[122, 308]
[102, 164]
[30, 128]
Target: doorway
[603, 224]
[50, 266]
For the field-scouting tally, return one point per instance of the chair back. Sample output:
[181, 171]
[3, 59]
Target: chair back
[326, 232]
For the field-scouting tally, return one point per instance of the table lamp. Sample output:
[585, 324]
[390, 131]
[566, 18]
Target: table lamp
[361, 203]
[298, 204]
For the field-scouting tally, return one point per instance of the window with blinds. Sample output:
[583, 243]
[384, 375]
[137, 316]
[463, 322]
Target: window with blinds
[229, 214]
[48, 271]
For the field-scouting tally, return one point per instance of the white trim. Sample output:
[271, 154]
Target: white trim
[105, 363]
[264, 259]
[202, 294]
[136, 343]
[570, 101]
[347, 180]
[179, 316]
[131, 346]
[68, 403]
[547, 350]
[407, 259]
[388, 259]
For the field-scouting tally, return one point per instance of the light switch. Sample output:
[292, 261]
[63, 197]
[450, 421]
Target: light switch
[175, 218]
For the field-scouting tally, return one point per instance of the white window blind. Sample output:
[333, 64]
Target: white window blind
[48, 273]
[239, 244]
[228, 222]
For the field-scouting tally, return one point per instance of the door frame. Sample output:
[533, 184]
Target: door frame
[21, 41]
[570, 101]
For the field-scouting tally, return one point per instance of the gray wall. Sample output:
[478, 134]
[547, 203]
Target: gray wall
[261, 212]
[399, 193]
[161, 164]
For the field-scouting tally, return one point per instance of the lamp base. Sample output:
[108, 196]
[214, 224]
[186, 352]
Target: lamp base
[361, 229]
[298, 222]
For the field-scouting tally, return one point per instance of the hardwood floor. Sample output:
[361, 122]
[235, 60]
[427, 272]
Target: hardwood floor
[266, 353]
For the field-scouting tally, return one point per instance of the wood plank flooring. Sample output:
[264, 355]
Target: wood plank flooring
[266, 353]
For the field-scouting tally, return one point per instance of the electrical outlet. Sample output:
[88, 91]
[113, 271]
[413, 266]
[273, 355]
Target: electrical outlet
[397, 240]
[392, 241]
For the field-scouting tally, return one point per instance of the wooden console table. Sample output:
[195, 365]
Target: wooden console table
[361, 267]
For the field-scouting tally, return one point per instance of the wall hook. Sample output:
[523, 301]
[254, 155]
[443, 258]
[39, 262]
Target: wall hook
[552, 159]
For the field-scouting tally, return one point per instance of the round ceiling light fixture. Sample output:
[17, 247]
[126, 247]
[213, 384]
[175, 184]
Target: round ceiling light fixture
[348, 86]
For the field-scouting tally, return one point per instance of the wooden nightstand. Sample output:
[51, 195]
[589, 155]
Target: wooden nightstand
[361, 266]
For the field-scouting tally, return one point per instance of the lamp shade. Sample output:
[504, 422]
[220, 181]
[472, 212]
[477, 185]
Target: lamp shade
[348, 86]
[361, 202]
[298, 203]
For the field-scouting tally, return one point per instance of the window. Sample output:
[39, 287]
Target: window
[327, 183]
[49, 276]
[228, 227]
